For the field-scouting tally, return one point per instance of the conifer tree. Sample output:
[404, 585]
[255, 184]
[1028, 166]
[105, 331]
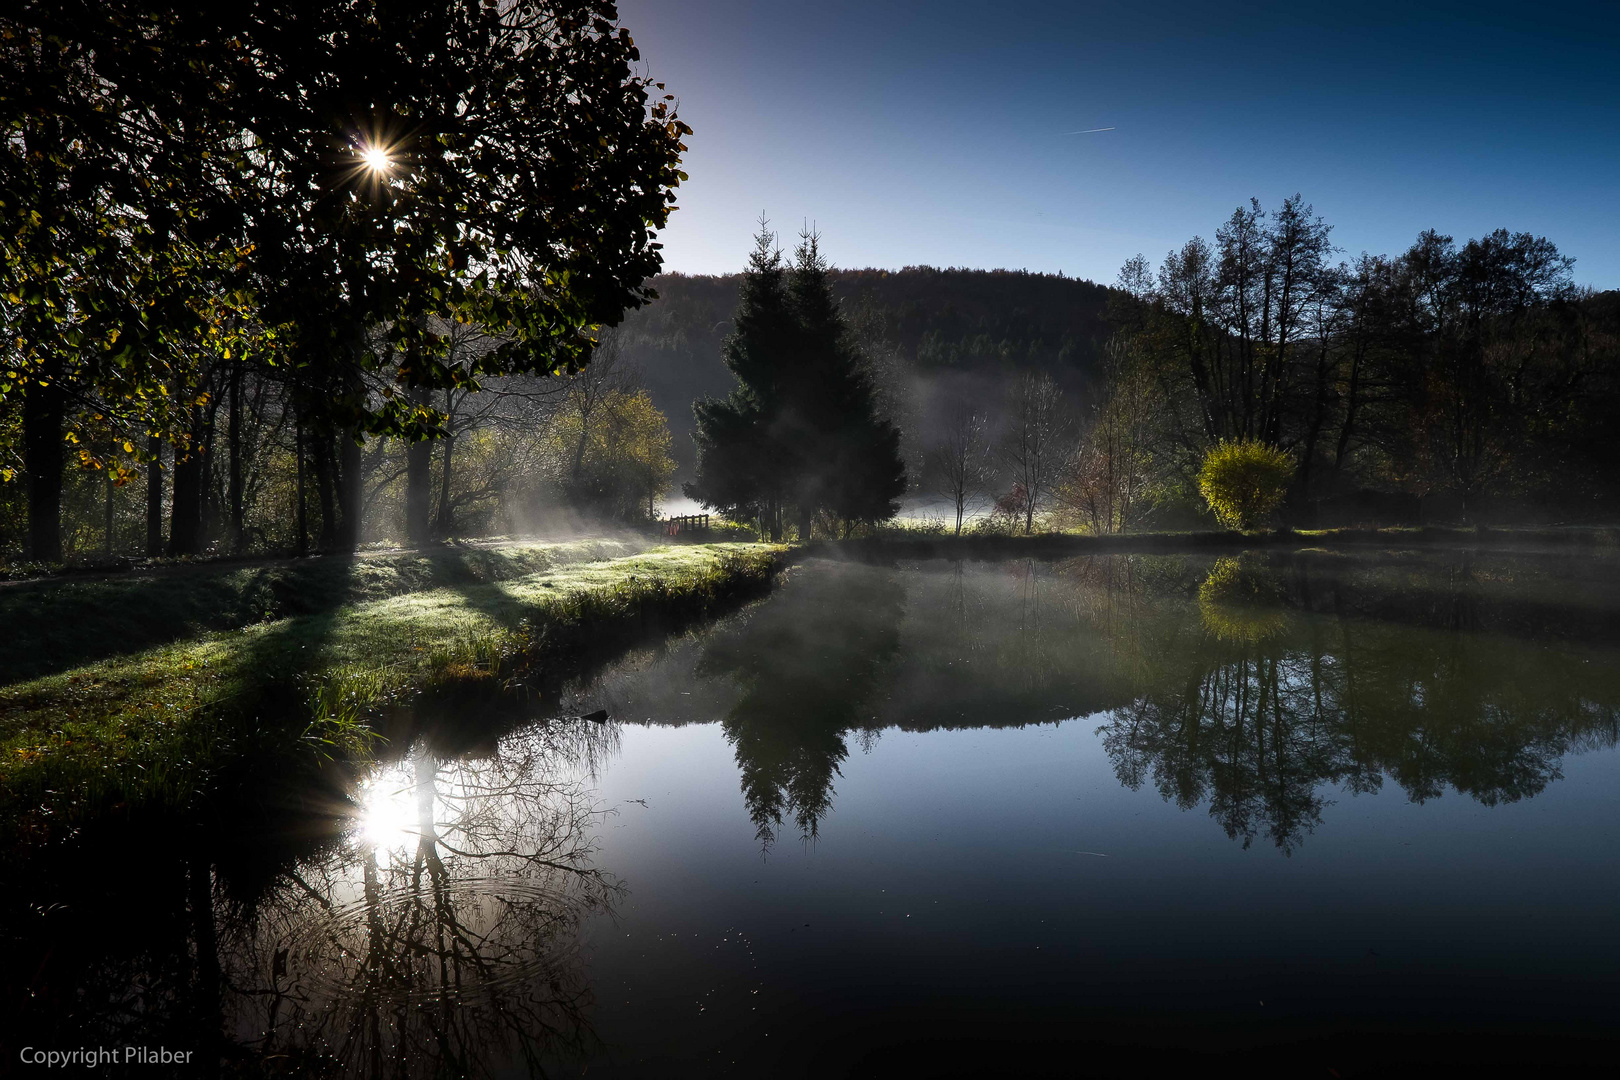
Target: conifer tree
[742, 470]
[850, 452]
[802, 431]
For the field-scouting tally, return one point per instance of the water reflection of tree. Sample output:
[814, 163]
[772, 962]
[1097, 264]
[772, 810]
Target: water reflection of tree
[432, 934]
[810, 663]
[439, 939]
[1255, 709]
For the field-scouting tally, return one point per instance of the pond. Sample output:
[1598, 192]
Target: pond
[1318, 810]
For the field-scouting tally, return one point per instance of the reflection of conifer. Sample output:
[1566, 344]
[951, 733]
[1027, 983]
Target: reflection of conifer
[808, 662]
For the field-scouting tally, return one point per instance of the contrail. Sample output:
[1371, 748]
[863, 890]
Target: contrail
[1088, 131]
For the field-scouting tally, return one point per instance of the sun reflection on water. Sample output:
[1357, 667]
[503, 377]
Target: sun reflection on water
[388, 817]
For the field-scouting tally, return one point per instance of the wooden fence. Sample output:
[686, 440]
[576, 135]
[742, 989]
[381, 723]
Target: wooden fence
[688, 522]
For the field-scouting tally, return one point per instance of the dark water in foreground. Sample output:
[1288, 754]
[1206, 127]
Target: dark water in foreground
[1316, 811]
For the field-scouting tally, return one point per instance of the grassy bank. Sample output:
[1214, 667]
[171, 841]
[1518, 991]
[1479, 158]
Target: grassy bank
[167, 725]
[59, 624]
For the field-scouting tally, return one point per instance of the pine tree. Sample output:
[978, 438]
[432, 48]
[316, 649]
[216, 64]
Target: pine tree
[803, 429]
[742, 471]
[853, 468]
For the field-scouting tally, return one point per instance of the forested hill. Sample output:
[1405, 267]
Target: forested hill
[974, 322]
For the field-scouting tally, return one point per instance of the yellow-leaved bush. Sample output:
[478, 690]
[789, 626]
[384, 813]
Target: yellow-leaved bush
[1244, 481]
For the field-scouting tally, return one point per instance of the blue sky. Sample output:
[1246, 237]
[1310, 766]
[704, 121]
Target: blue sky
[938, 132]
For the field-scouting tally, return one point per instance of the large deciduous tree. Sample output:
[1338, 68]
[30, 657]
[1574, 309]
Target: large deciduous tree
[298, 178]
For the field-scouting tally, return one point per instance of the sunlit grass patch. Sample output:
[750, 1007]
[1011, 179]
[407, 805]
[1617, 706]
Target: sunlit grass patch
[57, 625]
[160, 727]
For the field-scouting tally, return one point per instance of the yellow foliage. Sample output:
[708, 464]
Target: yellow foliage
[1239, 602]
[617, 454]
[1244, 481]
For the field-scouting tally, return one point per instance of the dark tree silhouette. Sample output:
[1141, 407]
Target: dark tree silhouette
[319, 189]
[802, 429]
[743, 469]
[809, 665]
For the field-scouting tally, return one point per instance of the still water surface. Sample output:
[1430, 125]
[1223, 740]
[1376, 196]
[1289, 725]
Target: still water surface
[1318, 810]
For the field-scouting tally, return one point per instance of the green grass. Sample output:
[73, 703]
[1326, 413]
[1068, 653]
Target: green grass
[57, 625]
[165, 726]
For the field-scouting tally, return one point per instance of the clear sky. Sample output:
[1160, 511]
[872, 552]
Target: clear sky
[938, 132]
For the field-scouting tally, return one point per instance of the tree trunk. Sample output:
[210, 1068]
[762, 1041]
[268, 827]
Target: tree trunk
[442, 525]
[804, 524]
[418, 490]
[185, 511]
[234, 485]
[321, 458]
[44, 408]
[351, 501]
[154, 499]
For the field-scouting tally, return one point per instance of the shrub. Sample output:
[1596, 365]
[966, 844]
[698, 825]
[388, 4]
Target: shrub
[1244, 481]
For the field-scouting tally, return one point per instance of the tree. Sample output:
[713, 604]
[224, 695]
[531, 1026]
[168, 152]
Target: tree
[1107, 478]
[1036, 446]
[390, 167]
[803, 427]
[613, 459]
[104, 185]
[849, 462]
[960, 460]
[742, 469]
[1493, 365]
[1244, 481]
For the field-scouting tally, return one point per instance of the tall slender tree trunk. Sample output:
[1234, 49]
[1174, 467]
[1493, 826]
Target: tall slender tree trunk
[191, 487]
[442, 525]
[154, 498]
[351, 500]
[418, 491]
[185, 510]
[321, 458]
[804, 523]
[301, 511]
[234, 491]
[44, 409]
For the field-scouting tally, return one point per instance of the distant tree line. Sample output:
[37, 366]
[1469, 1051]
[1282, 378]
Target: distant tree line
[255, 252]
[1454, 375]
[1451, 382]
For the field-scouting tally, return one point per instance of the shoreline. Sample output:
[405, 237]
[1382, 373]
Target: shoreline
[166, 729]
[1055, 545]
